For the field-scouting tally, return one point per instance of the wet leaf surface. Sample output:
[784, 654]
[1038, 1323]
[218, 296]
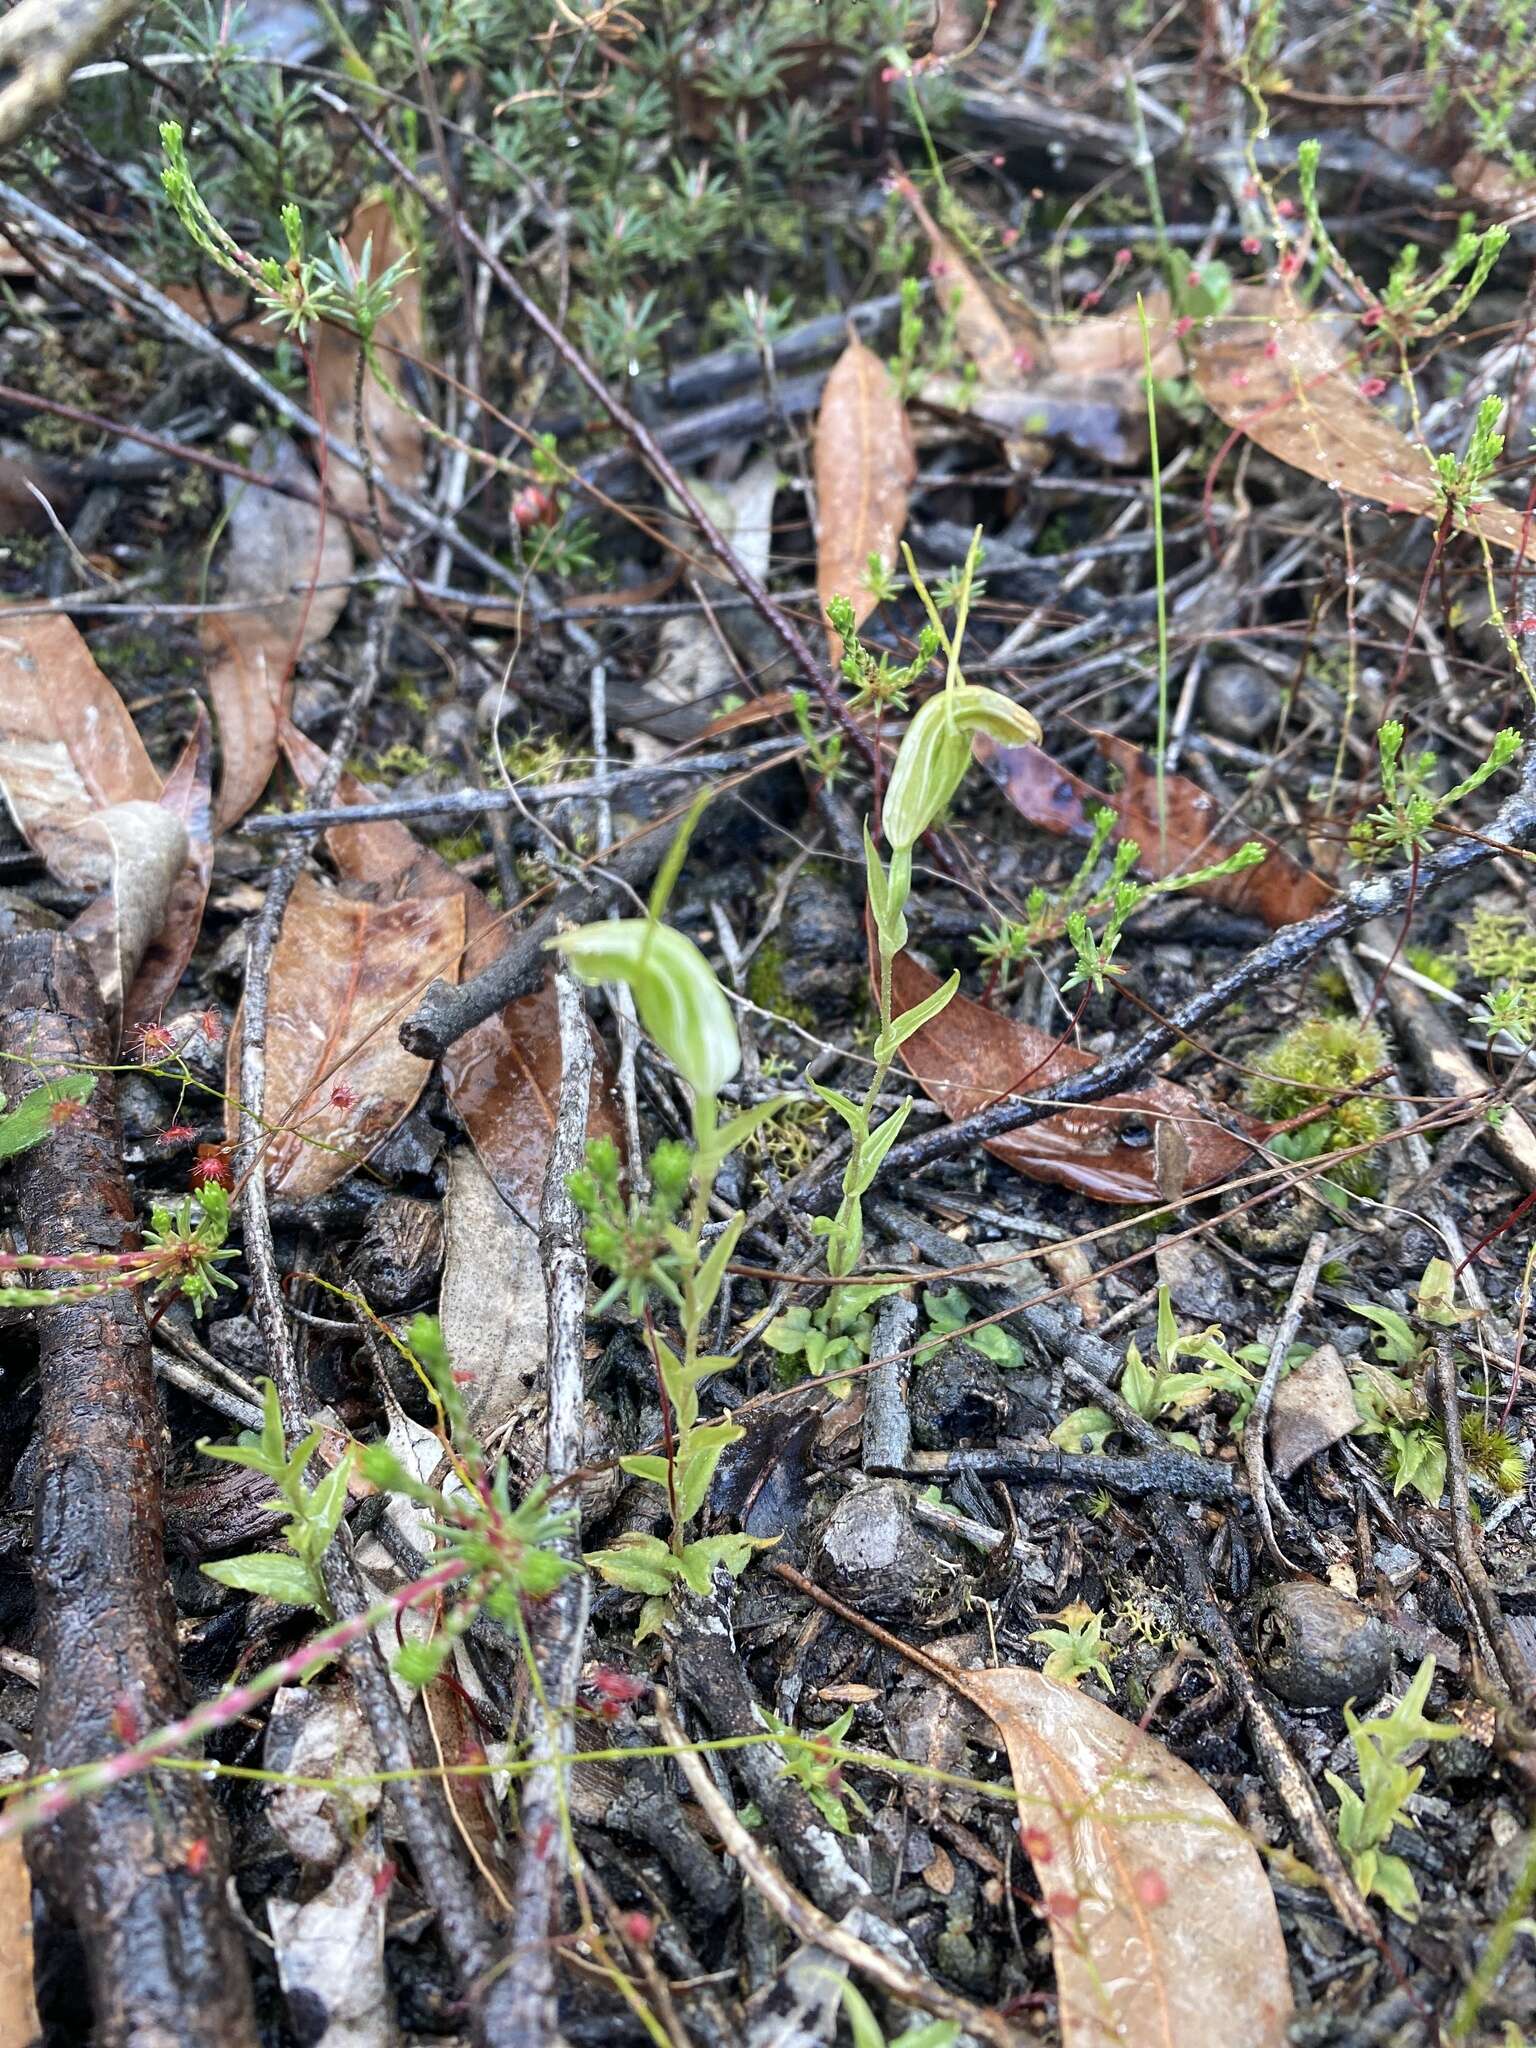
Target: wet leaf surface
[1297, 384]
[1187, 834]
[969, 1057]
[864, 469]
[146, 848]
[68, 747]
[187, 795]
[1163, 1926]
[503, 1077]
[288, 563]
[343, 975]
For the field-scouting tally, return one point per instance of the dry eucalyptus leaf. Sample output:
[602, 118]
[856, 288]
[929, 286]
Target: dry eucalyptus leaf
[1293, 382]
[338, 1079]
[864, 469]
[493, 1300]
[67, 746]
[969, 1057]
[145, 848]
[1003, 348]
[289, 564]
[19, 2022]
[1163, 1926]
[503, 1077]
[187, 795]
[396, 441]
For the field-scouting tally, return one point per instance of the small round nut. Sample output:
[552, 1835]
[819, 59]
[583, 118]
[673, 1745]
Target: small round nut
[1317, 1649]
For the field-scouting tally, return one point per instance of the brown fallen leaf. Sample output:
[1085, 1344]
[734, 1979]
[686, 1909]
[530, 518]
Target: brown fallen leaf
[187, 795]
[1281, 890]
[864, 469]
[503, 1077]
[1291, 380]
[289, 563]
[969, 1057]
[1002, 347]
[20, 2026]
[1163, 1926]
[146, 849]
[338, 1079]
[68, 748]
[1081, 381]
[397, 442]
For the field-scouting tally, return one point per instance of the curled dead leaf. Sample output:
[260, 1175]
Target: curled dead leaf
[864, 469]
[969, 1057]
[187, 795]
[68, 748]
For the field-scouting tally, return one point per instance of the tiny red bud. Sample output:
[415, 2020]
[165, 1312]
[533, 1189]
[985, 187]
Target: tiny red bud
[197, 1856]
[1182, 326]
[1122, 258]
[1091, 299]
[1036, 1843]
[384, 1879]
[1372, 387]
[1062, 1905]
[637, 1928]
[533, 507]
[1251, 245]
[1010, 236]
[1151, 1888]
[1286, 208]
[1290, 263]
[1371, 316]
[125, 1722]
[1272, 347]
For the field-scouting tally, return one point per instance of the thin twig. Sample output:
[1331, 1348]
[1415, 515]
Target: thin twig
[561, 1629]
[808, 1922]
[1258, 1416]
[1514, 825]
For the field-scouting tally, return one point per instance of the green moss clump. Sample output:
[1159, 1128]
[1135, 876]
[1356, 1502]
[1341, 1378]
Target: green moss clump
[1492, 1455]
[1322, 1057]
[1501, 946]
[765, 985]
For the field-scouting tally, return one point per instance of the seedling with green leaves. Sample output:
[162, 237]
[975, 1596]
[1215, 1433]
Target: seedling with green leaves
[662, 1247]
[815, 1765]
[1077, 1648]
[1367, 1817]
[182, 1253]
[314, 1512]
[1411, 808]
[1164, 1388]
